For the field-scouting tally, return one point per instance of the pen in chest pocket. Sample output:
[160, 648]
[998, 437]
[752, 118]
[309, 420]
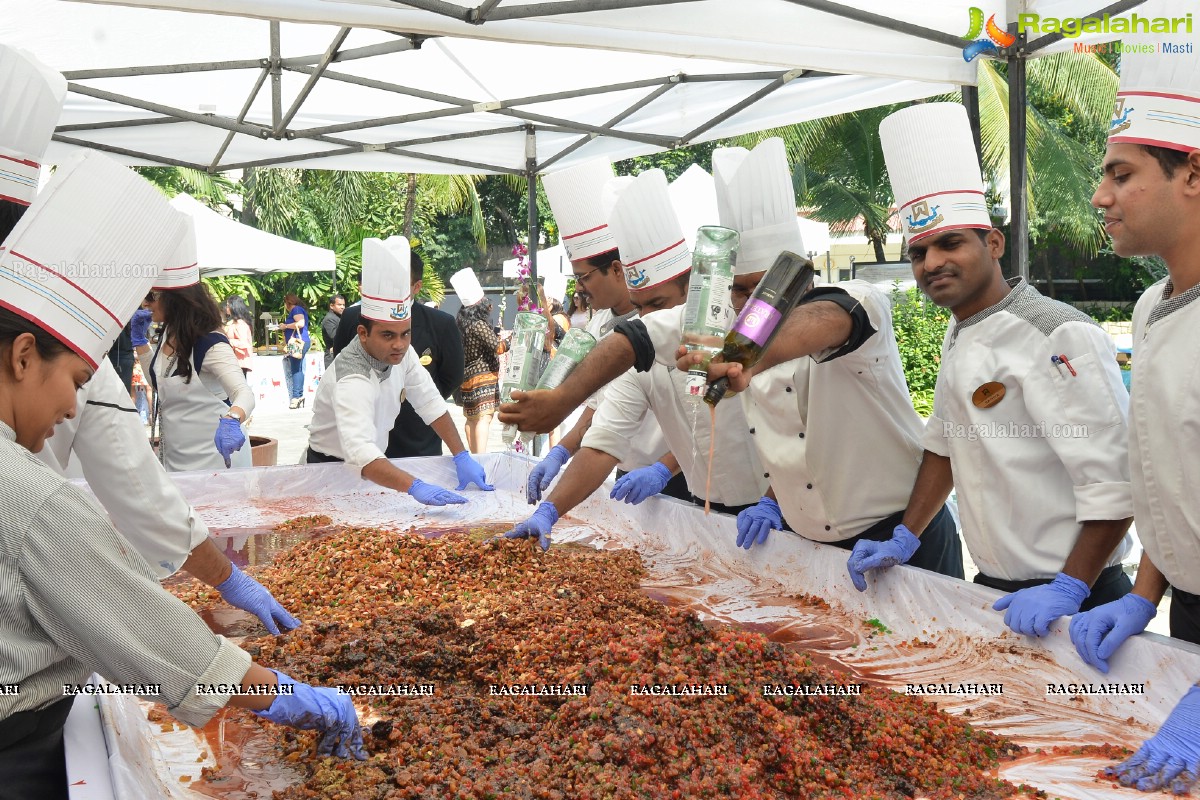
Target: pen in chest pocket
[1061, 361]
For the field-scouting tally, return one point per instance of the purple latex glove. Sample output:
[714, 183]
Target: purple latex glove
[756, 522]
[139, 327]
[229, 438]
[1169, 760]
[1098, 633]
[470, 471]
[242, 591]
[544, 472]
[1030, 611]
[311, 708]
[432, 495]
[538, 525]
[869, 554]
[634, 487]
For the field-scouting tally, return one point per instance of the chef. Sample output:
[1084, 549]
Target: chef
[829, 411]
[1029, 410]
[575, 197]
[647, 232]
[75, 598]
[1150, 196]
[359, 397]
[105, 441]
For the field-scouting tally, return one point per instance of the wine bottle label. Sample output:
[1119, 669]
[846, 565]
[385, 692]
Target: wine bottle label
[708, 304]
[556, 373]
[757, 321]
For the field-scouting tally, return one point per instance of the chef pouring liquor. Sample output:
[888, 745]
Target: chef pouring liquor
[358, 398]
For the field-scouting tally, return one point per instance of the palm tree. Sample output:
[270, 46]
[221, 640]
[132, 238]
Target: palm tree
[212, 189]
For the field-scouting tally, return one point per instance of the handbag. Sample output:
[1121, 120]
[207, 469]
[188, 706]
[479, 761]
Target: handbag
[295, 347]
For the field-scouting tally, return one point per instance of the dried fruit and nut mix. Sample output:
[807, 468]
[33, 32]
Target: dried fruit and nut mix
[382, 608]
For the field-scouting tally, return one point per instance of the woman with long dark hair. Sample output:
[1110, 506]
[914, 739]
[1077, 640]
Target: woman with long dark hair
[481, 376]
[296, 327]
[203, 398]
[239, 328]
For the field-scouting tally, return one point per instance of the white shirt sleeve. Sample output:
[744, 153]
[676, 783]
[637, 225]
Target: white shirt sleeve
[618, 420]
[1085, 418]
[221, 362]
[420, 390]
[354, 415]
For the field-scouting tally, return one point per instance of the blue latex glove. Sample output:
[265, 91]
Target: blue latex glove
[139, 327]
[538, 525]
[1170, 760]
[242, 591]
[757, 521]
[634, 487]
[544, 472]
[229, 437]
[1030, 611]
[868, 554]
[311, 708]
[432, 495]
[1098, 633]
[470, 471]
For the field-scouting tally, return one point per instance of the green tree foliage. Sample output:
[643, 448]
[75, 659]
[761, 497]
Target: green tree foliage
[920, 328]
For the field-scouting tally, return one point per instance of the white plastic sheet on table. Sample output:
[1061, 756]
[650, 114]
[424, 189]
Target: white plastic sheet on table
[693, 558]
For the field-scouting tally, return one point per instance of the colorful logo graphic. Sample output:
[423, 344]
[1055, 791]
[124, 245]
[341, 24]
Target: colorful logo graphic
[1120, 118]
[923, 217]
[400, 311]
[636, 278]
[996, 36]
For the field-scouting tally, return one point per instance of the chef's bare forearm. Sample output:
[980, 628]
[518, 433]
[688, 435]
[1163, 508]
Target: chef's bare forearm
[445, 428]
[611, 357]
[207, 563]
[583, 475]
[671, 463]
[1150, 583]
[253, 698]
[574, 439]
[1095, 545]
[934, 481]
[387, 475]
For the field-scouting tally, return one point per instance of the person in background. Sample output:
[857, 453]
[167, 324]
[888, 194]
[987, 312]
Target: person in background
[481, 372]
[295, 326]
[580, 316]
[438, 345]
[65, 566]
[121, 355]
[329, 326]
[203, 398]
[239, 329]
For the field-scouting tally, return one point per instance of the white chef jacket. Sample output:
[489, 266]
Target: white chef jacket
[358, 399]
[190, 412]
[1052, 453]
[109, 445]
[737, 475]
[855, 464]
[649, 445]
[1165, 426]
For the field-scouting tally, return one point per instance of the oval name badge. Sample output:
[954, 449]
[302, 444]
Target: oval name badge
[988, 394]
[426, 360]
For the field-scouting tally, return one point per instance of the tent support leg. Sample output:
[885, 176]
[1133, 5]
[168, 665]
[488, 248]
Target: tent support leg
[531, 186]
[970, 101]
[1017, 153]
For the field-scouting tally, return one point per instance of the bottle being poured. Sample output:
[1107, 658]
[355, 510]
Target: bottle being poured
[709, 311]
[525, 359]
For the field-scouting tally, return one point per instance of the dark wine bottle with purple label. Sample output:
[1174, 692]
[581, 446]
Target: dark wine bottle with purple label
[780, 289]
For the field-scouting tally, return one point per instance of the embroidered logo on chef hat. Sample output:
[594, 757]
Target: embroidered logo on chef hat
[1158, 100]
[574, 196]
[467, 287]
[934, 170]
[84, 255]
[647, 232]
[387, 290]
[30, 106]
[755, 198]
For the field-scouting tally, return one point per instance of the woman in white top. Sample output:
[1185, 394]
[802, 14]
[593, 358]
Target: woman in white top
[203, 398]
[580, 316]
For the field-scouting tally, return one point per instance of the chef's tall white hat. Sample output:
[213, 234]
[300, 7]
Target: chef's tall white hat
[84, 255]
[30, 105]
[756, 199]
[467, 286]
[934, 170]
[574, 196]
[386, 273]
[1158, 101]
[183, 267]
[647, 232]
[695, 200]
[555, 286]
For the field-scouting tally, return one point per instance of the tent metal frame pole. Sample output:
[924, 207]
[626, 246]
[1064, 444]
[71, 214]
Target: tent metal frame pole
[741, 105]
[476, 165]
[313, 77]
[880, 21]
[580, 127]
[477, 16]
[258, 84]
[120, 123]
[1018, 173]
[276, 77]
[121, 151]
[970, 101]
[211, 120]
[549, 9]
[1118, 7]
[437, 7]
[531, 171]
[633, 109]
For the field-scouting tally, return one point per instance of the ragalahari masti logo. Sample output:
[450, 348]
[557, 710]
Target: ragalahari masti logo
[993, 39]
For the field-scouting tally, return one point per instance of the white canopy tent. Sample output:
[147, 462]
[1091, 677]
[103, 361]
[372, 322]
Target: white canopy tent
[227, 247]
[508, 86]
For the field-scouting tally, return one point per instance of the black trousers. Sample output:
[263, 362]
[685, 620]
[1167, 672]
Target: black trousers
[940, 550]
[1112, 584]
[316, 457]
[33, 760]
[1185, 616]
